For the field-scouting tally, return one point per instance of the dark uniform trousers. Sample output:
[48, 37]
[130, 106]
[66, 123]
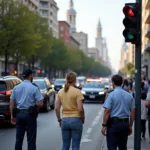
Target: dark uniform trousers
[117, 135]
[26, 123]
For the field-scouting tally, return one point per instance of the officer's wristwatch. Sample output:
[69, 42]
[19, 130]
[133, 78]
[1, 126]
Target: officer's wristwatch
[104, 125]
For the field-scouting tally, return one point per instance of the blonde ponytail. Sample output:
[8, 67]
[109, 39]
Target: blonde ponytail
[70, 80]
[66, 88]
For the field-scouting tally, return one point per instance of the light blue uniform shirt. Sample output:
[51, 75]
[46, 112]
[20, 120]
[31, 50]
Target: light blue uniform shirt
[26, 95]
[148, 96]
[120, 103]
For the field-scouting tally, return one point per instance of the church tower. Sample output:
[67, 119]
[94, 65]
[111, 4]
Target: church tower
[71, 17]
[99, 29]
[99, 40]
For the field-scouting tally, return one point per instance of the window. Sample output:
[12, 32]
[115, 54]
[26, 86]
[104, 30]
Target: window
[61, 28]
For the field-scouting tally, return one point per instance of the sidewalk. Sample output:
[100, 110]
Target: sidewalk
[145, 145]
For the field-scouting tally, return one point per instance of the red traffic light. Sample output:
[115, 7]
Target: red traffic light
[129, 11]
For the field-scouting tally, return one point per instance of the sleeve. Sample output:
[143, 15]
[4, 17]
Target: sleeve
[132, 103]
[148, 96]
[79, 96]
[12, 97]
[38, 95]
[108, 102]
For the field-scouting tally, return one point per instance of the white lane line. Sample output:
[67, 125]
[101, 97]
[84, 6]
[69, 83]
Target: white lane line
[89, 130]
[85, 138]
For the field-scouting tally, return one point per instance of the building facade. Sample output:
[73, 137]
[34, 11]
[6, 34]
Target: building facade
[74, 43]
[124, 56]
[64, 32]
[32, 4]
[131, 53]
[71, 17]
[146, 37]
[93, 53]
[82, 38]
[105, 52]
[48, 9]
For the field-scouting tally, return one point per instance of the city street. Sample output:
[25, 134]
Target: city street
[49, 134]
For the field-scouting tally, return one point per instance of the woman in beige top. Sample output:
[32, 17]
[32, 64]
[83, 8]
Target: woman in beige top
[71, 100]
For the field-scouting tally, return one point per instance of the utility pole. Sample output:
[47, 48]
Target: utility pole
[132, 34]
[137, 128]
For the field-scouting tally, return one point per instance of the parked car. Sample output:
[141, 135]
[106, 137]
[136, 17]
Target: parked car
[59, 84]
[94, 91]
[7, 84]
[47, 91]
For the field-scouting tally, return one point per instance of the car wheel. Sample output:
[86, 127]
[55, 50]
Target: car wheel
[47, 106]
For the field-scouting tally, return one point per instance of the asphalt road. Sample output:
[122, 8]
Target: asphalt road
[49, 133]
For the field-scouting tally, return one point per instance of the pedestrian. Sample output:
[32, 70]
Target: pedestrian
[147, 104]
[146, 85]
[131, 84]
[71, 100]
[144, 112]
[118, 116]
[143, 89]
[125, 85]
[27, 98]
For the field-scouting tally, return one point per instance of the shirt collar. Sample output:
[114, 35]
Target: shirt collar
[118, 87]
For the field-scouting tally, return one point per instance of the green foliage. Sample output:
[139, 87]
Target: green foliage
[25, 36]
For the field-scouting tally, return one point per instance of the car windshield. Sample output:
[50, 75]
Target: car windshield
[105, 83]
[93, 85]
[40, 84]
[60, 81]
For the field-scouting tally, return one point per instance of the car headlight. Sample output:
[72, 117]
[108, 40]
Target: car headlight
[83, 92]
[101, 92]
[77, 84]
[63, 86]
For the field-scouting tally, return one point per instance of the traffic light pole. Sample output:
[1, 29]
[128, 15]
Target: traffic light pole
[137, 126]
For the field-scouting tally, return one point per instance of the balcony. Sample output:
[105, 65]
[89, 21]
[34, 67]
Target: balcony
[147, 46]
[147, 34]
[148, 17]
[147, 4]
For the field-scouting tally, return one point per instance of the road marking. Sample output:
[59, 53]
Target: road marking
[85, 138]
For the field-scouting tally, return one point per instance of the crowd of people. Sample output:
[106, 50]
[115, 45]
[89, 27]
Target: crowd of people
[129, 86]
[118, 116]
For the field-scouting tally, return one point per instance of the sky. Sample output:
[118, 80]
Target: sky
[110, 14]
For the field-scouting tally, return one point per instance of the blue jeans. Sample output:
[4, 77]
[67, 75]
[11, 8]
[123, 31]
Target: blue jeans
[25, 123]
[71, 130]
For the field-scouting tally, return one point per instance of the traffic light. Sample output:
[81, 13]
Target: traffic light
[131, 23]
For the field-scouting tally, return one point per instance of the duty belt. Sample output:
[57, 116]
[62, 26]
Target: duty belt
[116, 119]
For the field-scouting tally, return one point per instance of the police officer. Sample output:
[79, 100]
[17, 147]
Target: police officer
[118, 116]
[26, 97]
